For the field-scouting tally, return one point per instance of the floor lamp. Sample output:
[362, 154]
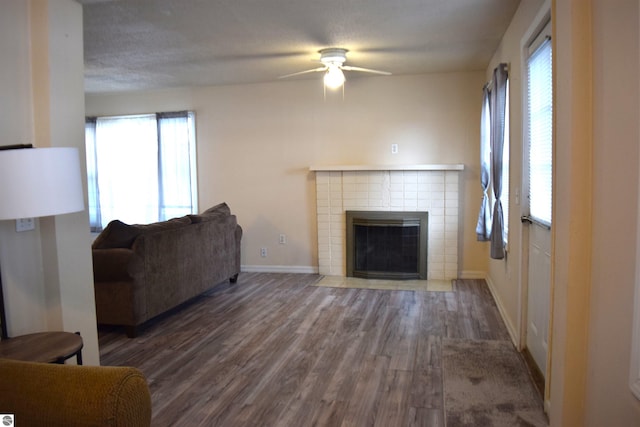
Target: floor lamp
[37, 182]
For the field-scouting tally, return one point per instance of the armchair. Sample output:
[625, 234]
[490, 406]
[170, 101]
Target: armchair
[40, 394]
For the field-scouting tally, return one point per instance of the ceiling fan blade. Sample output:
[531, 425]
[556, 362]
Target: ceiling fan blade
[365, 70]
[315, 70]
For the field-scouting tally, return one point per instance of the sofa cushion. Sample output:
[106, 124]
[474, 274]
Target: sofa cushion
[212, 214]
[161, 225]
[196, 219]
[220, 208]
[117, 234]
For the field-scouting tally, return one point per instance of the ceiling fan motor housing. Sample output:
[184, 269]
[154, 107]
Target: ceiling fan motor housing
[333, 55]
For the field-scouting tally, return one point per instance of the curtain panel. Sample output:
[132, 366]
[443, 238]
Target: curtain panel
[483, 227]
[95, 216]
[497, 116]
[177, 192]
[127, 154]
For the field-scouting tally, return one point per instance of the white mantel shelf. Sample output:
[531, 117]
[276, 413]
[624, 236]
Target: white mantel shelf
[430, 167]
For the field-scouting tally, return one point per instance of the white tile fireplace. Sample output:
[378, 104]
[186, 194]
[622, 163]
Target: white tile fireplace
[431, 188]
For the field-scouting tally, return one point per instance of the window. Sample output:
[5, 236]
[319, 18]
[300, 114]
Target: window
[540, 132]
[141, 168]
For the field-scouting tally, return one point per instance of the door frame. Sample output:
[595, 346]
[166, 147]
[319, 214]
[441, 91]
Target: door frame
[539, 22]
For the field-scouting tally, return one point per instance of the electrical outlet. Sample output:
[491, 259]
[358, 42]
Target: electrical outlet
[283, 239]
[394, 148]
[263, 252]
[25, 224]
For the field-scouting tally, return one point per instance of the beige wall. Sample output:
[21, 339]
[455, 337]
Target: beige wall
[573, 211]
[24, 302]
[256, 143]
[46, 273]
[616, 112]
[597, 100]
[504, 275]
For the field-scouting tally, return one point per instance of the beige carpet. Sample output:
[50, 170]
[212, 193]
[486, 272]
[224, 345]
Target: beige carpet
[486, 383]
[390, 285]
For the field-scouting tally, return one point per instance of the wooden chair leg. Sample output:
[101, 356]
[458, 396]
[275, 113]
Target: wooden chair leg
[79, 353]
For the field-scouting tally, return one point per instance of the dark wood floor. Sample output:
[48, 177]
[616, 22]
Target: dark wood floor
[274, 350]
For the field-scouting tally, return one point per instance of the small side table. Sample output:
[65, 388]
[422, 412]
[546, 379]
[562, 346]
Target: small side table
[44, 347]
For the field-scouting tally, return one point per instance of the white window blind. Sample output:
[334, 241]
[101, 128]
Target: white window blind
[540, 135]
[505, 168]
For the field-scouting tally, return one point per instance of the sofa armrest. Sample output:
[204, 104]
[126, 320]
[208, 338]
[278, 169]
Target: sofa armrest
[113, 264]
[48, 394]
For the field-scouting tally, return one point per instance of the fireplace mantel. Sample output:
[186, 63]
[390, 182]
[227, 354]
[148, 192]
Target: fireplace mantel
[425, 167]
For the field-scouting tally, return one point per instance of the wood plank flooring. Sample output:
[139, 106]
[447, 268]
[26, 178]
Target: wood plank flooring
[274, 350]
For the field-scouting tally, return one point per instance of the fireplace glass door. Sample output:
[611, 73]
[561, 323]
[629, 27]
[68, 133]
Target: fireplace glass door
[387, 245]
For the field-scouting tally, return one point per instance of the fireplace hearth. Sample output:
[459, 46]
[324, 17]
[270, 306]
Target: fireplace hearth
[386, 244]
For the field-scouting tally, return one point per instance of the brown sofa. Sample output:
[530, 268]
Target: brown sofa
[142, 271]
[41, 394]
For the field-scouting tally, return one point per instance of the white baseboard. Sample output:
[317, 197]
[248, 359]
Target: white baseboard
[470, 274]
[299, 269]
[503, 313]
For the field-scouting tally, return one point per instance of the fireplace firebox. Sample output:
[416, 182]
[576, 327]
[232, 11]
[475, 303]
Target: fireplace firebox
[387, 245]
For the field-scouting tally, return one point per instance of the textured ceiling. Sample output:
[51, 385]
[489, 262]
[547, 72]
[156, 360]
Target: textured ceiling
[151, 44]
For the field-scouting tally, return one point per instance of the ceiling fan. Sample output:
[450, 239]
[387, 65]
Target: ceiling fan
[333, 60]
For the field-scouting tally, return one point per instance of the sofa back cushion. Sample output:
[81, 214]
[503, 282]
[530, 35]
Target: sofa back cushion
[214, 213]
[220, 208]
[117, 234]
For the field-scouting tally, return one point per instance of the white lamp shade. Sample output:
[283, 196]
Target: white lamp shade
[37, 182]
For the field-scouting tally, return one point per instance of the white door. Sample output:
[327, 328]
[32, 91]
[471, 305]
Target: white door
[539, 294]
[538, 188]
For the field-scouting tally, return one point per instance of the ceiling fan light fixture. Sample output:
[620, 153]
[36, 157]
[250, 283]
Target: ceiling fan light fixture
[333, 67]
[333, 55]
[334, 77]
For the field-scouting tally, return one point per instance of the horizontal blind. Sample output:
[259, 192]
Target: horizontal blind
[505, 167]
[540, 134]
